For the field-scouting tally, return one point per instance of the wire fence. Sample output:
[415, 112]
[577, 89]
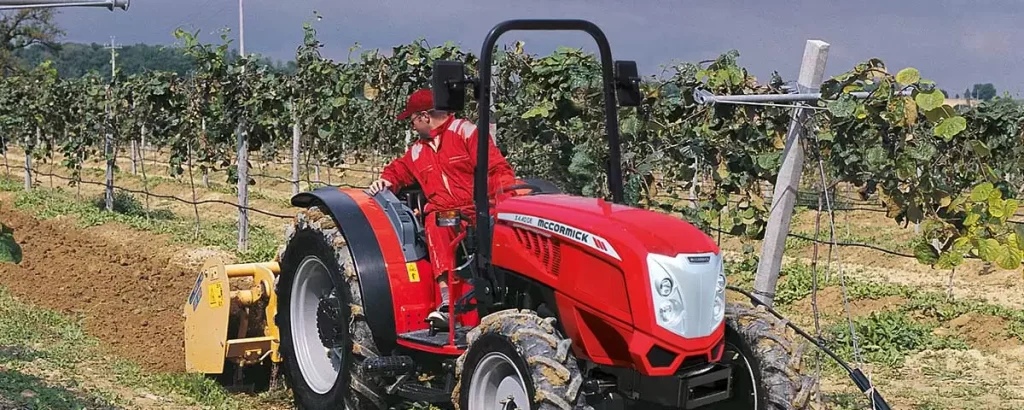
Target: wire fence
[845, 203]
[148, 195]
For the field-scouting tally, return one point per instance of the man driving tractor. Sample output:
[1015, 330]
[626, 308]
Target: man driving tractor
[442, 160]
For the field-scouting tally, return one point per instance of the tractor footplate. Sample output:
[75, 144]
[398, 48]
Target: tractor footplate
[389, 365]
[418, 392]
[440, 339]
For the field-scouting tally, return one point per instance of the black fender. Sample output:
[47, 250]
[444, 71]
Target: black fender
[367, 257]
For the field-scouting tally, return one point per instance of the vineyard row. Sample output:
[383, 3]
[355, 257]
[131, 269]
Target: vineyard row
[954, 171]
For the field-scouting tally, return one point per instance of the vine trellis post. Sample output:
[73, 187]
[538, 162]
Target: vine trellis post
[812, 72]
[296, 147]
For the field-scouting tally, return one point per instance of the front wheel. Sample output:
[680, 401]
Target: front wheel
[516, 360]
[766, 357]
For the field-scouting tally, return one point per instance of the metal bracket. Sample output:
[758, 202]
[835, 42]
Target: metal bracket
[36, 4]
[704, 97]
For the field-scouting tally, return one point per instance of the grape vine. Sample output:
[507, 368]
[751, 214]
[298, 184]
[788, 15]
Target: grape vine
[955, 171]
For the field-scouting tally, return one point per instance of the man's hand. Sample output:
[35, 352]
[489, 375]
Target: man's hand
[377, 186]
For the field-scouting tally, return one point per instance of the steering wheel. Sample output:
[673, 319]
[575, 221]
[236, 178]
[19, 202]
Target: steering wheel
[533, 188]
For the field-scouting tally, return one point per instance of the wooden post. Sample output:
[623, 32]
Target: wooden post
[812, 71]
[108, 151]
[28, 162]
[206, 170]
[135, 157]
[108, 145]
[243, 189]
[296, 148]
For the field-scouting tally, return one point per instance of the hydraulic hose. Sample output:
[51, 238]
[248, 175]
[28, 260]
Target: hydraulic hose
[862, 382]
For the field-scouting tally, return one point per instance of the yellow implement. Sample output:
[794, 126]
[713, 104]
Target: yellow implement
[208, 310]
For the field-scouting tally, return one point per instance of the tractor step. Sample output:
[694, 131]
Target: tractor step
[389, 365]
[418, 392]
[439, 339]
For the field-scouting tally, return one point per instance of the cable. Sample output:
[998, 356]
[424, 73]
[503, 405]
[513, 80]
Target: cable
[170, 197]
[856, 374]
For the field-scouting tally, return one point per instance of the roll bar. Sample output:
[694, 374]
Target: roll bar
[448, 82]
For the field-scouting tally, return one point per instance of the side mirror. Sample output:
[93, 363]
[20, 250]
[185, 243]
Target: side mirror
[448, 84]
[627, 84]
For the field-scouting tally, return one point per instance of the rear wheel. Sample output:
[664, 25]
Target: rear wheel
[516, 360]
[766, 357]
[324, 336]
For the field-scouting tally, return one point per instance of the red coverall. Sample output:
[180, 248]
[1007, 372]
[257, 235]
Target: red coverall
[443, 165]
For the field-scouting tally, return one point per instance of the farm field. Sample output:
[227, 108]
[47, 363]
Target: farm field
[923, 290]
[100, 296]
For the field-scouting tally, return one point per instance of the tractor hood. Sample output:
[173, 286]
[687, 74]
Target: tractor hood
[622, 225]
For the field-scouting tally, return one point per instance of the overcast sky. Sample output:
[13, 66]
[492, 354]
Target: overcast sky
[955, 43]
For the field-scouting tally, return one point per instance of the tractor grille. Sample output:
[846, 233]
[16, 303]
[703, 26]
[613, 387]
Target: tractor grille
[546, 249]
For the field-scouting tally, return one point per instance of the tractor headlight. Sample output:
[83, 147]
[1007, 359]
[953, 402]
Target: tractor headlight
[668, 301]
[687, 292]
[718, 312]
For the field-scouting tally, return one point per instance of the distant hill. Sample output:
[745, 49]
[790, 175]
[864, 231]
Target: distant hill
[77, 59]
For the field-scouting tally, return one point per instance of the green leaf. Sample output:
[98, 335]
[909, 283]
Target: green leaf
[877, 156]
[929, 100]
[543, 110]
[925, 253]
[10, 251]
[769, 161]
[962, 244]
[981, 191]
[971, 219]
[1009, 208]
[996, 207]
[979, 148]
[908, 76]
[950, 127]
[843, 107]
[988, 249]
[1019, 233]
[941, 113]
[1009, 257]
[949, 260]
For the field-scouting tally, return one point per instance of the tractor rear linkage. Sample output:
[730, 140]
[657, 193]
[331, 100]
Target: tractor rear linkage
[858, 377]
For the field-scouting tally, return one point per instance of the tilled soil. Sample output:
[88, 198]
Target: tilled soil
[128, 290]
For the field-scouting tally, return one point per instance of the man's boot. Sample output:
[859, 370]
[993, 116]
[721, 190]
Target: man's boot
[439, 318]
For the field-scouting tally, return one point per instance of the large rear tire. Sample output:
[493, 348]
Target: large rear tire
[516, 353]
[767, 362]
[320, 305]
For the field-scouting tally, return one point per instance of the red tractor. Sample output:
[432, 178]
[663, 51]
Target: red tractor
[575, 301]
[571, 303]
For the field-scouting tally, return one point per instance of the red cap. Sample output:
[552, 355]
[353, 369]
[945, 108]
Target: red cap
[421, 100]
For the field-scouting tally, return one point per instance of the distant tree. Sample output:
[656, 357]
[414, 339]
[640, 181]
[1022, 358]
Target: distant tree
[945, 93]
[25, 28]
[967, 93]
[985, 91]
[75, 59]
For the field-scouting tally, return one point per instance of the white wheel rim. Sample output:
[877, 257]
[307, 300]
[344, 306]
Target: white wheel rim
[319, 366]
[495, 379]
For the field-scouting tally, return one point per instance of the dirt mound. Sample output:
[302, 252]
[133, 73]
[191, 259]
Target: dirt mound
[982, 331]
[128, 290]
[830, 301]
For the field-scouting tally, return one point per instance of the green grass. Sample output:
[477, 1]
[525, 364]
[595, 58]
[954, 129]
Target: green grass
[885, 337]
[47, 361]
[35, 342]
[49, 203]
